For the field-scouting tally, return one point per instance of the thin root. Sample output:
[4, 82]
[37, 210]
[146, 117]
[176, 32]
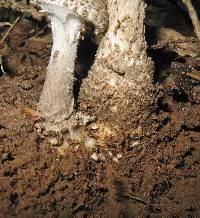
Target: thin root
[9, 30]
[134, 198]
[1, 65]
[2, 24]
[193, 75]
[194, 17]
[5, 37]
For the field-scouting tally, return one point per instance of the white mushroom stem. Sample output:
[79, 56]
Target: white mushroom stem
[56, 101]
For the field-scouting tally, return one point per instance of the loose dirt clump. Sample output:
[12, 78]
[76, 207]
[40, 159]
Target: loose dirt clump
[41, 176]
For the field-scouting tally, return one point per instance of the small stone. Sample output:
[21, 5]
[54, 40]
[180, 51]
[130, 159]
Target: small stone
[102, 157]
[119, 156]
[38, 127]
[94, 126]
[110, 153]
[76, 147]
[112, 81]
[62, 149]
[90, 143]
[38, 130]
[115, 159]
[94, 156]
[134, 143]
[114, 108]
[53, 141]
[5, 156]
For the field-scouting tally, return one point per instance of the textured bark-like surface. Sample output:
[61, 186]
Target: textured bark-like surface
[119, 90]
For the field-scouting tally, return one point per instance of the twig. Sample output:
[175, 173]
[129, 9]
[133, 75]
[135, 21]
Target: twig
[133, 198]
[2, 24]
[4, 38]
[193, 16]
[45, 55]
[40, 32]
[193, 75]
[162, 44]
[9, 30]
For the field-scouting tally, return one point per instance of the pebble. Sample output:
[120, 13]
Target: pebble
[94, 126]
[119, 156]
[61, 151]
[94, 156]
[115, 159]
[5, 156]
[38, 127]
[38, 130]
[110, 153]
[102, 157]
[99, 156]
[53, 141]
[134, 143]
[90, 143]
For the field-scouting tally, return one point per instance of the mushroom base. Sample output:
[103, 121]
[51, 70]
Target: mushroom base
[119, 89]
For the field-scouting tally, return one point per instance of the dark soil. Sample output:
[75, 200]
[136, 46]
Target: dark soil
[157, 178]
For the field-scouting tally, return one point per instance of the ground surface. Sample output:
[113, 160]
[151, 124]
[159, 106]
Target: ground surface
[157, 177]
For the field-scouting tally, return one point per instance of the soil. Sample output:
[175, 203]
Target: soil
[155, 177]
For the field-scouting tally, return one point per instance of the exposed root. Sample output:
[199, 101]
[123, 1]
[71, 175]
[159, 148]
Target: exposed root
[193, 16]
[9, 30]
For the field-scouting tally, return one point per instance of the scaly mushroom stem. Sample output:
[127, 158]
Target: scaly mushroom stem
[119, 89]
[56, 101]
[193, 16]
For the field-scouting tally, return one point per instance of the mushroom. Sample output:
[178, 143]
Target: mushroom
[67, 17]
